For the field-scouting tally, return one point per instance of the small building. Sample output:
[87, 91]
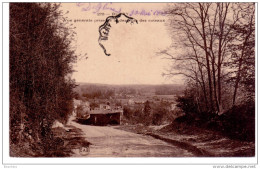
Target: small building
[140, 101]
[104, 117]
[104, 107]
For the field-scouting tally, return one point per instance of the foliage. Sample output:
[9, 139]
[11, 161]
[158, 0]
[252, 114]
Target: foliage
[133, 115]
[147, 108]
[41, 58]
[239, 122]
[82, 111]
[161, 113]
[93, 105]
[148, 113]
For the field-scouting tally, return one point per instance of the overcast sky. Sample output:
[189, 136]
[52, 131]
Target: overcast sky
[132, 47]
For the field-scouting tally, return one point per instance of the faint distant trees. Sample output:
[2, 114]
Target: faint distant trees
[168, 90]
[98, 93]
[41, 58]
[209, 36]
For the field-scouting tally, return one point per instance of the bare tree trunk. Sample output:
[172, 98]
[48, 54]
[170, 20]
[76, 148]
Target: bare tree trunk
[219, 54]
[222, 19]
[202, 77]
[219, 89]
[204, 88]
[214, 82]
[237, 79]
[241, 63]
[207, 55]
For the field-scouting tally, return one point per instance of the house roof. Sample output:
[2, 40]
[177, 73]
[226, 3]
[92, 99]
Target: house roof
[104, 111]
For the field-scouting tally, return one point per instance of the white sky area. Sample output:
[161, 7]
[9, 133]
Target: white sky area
[133, 47]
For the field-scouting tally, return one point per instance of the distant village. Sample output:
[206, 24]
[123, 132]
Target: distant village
[111, 111]
[102, 104]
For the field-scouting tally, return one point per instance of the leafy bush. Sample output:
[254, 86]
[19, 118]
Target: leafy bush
[239, 122]
[148, 113]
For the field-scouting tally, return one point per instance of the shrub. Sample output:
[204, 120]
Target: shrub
[239, 122]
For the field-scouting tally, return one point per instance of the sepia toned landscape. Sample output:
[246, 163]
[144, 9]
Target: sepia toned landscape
[128, 80]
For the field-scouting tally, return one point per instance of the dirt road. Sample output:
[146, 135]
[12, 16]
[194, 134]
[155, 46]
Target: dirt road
[110, 142]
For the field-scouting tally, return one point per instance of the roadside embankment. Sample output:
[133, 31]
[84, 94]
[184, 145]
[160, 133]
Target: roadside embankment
[202, 142]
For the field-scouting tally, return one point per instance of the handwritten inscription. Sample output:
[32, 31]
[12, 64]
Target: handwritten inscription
[99, 8]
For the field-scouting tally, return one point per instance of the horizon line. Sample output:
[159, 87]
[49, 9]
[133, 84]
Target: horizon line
[131, 83]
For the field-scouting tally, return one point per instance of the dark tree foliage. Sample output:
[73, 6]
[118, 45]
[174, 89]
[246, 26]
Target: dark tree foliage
[239, 122]
[147, 108]
[41, 60]
[93, 105]
[149, 113]
[161, 113]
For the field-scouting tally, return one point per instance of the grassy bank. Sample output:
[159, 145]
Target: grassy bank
[197, 140]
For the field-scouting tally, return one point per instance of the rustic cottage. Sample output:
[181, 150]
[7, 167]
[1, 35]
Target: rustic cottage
[104, 117]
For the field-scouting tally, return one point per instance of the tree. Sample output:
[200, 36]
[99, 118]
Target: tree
[204, 32]
[243, 51]
[146, 117]
[93, 105]
[41, 57]
[147, 108]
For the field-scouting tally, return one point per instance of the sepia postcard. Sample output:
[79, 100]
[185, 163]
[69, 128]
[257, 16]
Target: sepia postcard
[111, 79]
